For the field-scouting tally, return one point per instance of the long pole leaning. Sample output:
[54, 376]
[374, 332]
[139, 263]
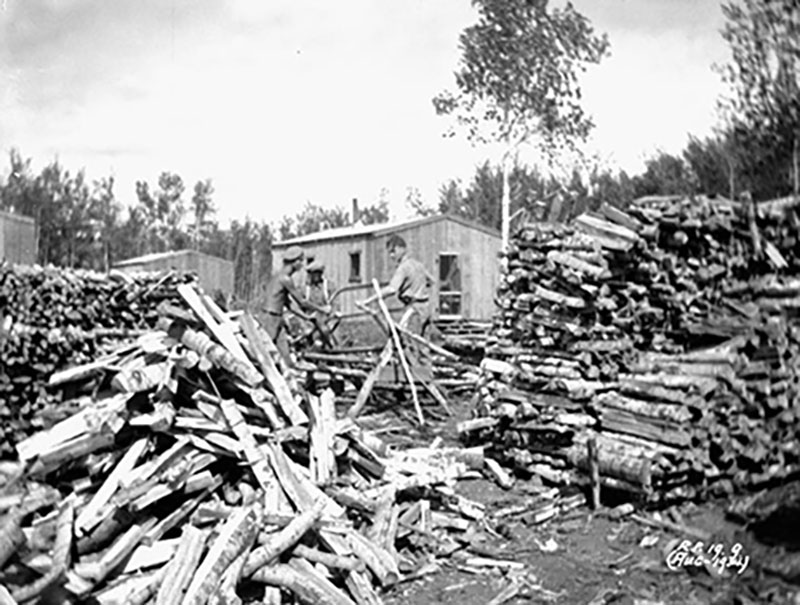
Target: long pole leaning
[398, 345]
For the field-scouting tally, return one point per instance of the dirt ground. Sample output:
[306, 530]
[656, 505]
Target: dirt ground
[582, 557]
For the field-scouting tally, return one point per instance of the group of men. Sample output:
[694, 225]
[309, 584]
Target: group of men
[411, 283]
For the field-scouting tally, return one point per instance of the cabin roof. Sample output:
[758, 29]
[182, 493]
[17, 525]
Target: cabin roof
[360, 230]
[157, 256]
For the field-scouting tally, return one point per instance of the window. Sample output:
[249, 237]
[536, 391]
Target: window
[355, 267]
[449, 284]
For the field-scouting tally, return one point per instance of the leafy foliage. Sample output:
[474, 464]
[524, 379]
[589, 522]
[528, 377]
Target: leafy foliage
[518, 74]
[763, 109]
[313, 218]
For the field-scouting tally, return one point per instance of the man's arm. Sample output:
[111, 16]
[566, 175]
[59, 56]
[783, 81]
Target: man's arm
[299, 299]
[393, 287]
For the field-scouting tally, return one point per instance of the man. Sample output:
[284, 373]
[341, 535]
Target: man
[281, 290]
[411, 283]
[318, 292]
[317, 289]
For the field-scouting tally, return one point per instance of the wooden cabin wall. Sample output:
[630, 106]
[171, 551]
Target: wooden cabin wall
[478, 261]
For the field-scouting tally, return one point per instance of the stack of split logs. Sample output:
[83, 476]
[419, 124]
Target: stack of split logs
[194, 471]
[653, 351]
[51, 318]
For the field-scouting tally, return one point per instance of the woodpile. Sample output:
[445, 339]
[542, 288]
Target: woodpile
[52, 318]
[192, 470]
[655, 348]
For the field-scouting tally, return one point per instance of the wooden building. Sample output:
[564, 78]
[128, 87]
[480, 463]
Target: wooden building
[18, 239]
[462, 257]
[214, 273]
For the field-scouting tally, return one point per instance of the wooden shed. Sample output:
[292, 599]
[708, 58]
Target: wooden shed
[213, 272]
[462, 256]
[18, 239]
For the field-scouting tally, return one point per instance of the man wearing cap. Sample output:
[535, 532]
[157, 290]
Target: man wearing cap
[411, 283]
[317, 289]
[281, 290]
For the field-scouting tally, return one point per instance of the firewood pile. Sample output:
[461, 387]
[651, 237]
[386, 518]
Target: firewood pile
[51, 318]
[653, 351]
[194, 471]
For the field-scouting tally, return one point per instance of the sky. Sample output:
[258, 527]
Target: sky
[284, 102]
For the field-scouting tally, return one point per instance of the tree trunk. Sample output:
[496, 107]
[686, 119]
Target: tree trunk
[506, 201]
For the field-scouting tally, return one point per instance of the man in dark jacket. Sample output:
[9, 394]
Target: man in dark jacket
[281, 291]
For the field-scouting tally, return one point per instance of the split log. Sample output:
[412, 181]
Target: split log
[116, 553]
[260, 345]
[322, 582]
[5, 597]
[92, 513]
[256, 458]
[61, 554]
[383, 530]
[11, 536]
[360, 587]
[217, 354]
[226, 593]
[221, 332]
[366, 388]
[321, 435]
[234, 537]
[181, 569]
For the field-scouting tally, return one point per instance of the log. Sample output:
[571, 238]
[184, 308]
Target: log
[360, 587]
[284, 539]
[61, 554]
[594, 471]
[235, 536]
[5, 597]
[377, 559]
[116, 553]
[183, 566]
[496, 472]
[323, 583]
[221, 332]
[314, 555]
[226, 594]
[217, 354]
[92, 513]
[255, 457]
[300, 584]
[260, 346]
[383, 529]
[366, 388]
[11, 536]
[321, 436]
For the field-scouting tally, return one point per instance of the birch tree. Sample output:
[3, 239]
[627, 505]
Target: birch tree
[518, 79]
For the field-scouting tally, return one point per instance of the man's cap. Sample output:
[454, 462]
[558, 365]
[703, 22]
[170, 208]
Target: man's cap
[315, 266]
[292, 254]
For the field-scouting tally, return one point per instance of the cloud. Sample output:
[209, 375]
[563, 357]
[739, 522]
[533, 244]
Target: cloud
[286, 101]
